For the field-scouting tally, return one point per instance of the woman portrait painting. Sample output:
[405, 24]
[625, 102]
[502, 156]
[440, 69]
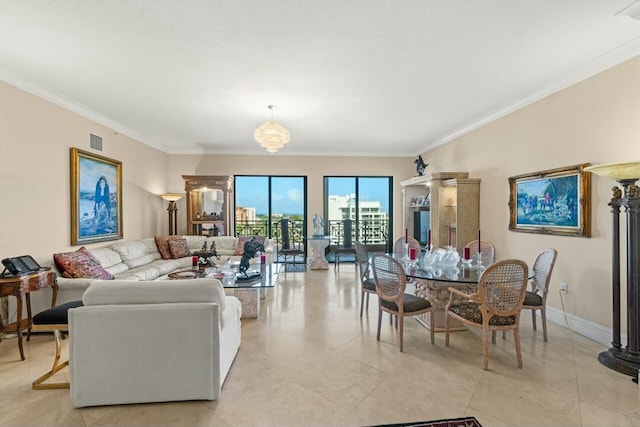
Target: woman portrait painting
[97, 182]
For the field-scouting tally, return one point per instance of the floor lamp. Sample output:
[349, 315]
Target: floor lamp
[172, 198]
[624, 359]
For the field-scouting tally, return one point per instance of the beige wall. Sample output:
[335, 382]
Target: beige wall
[597, 121]
[35, 138]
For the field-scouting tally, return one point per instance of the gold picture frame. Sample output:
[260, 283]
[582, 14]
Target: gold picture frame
[96, 198]
[555, 201]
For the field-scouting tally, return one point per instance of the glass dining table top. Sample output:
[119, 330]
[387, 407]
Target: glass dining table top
[460, 273]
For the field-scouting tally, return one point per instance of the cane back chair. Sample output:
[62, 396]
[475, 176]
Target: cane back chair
[391, 282]
[495, 306]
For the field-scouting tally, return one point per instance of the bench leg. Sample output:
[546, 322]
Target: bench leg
[57, 366]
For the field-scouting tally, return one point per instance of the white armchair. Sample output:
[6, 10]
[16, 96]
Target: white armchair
[136, 342]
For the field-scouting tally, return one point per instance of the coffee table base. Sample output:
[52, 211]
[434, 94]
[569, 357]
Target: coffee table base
[249, 300]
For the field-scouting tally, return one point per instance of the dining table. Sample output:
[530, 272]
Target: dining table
[432, 283]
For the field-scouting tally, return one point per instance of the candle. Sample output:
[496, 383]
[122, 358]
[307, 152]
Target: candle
[467, 253]
[449, 240]
[406, 235]
[479, 250]
[263, 259]
[412, 254]
[429, 240]
[194, 261]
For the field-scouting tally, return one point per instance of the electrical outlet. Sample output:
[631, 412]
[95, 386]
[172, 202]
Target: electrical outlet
[564, 288]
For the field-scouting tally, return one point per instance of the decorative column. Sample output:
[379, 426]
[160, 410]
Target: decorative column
[624, 359]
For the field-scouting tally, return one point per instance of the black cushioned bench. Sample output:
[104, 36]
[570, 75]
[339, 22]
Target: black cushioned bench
[54, 319]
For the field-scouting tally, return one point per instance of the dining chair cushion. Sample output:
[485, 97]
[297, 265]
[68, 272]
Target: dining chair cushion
[532, 299]
[369, 284]
[471, 312]
[411, 303]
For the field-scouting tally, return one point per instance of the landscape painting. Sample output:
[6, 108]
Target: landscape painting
[96, 198]
[555, 201]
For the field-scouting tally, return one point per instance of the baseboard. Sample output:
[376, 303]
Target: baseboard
[584, 327]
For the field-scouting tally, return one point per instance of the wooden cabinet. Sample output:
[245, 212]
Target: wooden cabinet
[445, 203]
[209, 204]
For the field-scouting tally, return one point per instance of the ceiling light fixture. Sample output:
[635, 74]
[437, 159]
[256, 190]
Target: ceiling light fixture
[271, 135]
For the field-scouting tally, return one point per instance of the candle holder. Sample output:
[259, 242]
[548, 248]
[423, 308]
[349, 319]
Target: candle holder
[405, 254]
[479, 260]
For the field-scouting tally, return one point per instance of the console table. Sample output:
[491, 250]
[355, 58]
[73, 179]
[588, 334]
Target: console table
[19, 286]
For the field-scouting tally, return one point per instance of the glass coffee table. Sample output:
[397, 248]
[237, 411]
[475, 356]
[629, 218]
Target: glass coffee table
[249, 291]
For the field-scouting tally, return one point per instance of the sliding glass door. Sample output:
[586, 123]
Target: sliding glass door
[366, 200]
[261, 202]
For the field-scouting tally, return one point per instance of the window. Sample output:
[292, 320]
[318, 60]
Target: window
[262, 201]
[367, 200]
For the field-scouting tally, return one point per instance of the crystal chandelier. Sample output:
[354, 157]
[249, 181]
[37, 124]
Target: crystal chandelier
[271, 135]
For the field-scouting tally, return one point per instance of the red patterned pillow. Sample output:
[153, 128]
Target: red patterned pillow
[179, 248]
[244, 239]
[80, 264]
[163, 245]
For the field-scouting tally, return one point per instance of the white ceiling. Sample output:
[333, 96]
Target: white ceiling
[375, 77]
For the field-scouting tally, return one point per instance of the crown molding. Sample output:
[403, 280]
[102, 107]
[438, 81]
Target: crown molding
[69, 104]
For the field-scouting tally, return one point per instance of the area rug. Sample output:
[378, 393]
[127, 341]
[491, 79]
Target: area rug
[453, 422]
[295, 268]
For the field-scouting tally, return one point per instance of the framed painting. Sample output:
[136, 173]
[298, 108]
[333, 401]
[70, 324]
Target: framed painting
[555, 201]
[96, 198]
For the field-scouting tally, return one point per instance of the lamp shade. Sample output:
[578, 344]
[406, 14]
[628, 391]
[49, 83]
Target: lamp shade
[172, 197]
[617, 171]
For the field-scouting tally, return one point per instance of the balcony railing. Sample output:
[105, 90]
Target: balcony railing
[374, 233]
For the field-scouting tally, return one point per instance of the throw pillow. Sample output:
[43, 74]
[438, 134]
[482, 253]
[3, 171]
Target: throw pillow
[179, 248]
[163, 245]
[80, 264]
[244, 239]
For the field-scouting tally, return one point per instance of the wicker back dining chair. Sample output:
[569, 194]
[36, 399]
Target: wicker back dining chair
[398, 246]
[367, 284]
[391, 282]
[536, 299]
[495, 306]
[488, 251]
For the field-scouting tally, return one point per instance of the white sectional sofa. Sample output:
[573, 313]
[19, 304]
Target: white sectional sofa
[137, 260]
[160, 341]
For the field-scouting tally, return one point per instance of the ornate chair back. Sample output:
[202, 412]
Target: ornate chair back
[542, 268]
[487, 248]
[362, 258]
[398, 246]
[390, 279]
[501, 288]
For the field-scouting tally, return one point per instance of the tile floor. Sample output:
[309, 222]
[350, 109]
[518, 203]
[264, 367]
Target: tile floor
[309, 360]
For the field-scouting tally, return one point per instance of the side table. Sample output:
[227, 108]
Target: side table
[318, 245]
[19, 287]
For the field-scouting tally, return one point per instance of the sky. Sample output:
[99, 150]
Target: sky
[288, 192]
